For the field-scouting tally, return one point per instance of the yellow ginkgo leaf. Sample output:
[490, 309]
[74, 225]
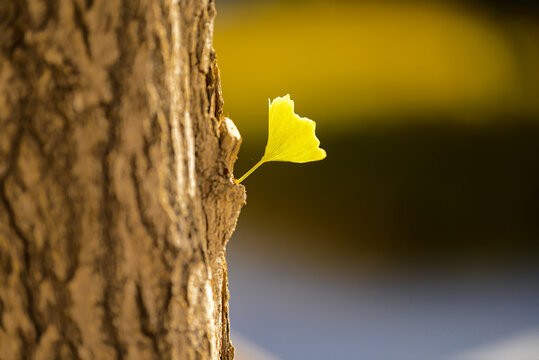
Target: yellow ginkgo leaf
[290, 137]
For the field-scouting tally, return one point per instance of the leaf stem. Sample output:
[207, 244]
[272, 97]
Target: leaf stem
[250, 171]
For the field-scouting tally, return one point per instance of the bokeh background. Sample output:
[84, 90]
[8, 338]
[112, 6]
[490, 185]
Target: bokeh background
[418, 236]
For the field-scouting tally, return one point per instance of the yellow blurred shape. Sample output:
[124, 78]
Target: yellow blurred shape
[349, 62]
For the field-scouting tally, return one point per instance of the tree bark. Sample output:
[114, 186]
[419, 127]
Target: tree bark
[116, 191]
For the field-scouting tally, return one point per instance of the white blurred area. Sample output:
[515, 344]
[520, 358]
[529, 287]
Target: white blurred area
[248, 350]
[524, 346]
[519, 347]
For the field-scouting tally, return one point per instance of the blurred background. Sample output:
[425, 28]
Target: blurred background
[418, 237]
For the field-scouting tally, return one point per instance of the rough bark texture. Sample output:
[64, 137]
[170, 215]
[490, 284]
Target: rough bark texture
[116, 192]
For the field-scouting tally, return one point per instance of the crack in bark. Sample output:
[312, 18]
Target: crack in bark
[213, 89]
[226, 346]
[146, 223]
[11, 12]
[144, 319]
[13, 155]
[110, 255]
[74, 350]
[80, 23]
[107, 216]
[26, 277]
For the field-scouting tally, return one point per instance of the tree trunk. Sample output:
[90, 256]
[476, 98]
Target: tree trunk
[116, 192]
